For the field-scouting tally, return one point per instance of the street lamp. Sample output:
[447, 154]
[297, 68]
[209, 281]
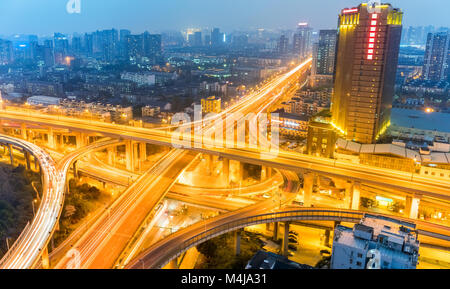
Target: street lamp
[32, 203]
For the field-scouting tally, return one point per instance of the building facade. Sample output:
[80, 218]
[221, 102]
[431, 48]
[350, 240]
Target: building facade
[211, 104]
[437, 57]
[375, 243]
[302, 40]
[366, 66]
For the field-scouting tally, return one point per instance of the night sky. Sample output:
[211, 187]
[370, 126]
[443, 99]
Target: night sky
[47, 16]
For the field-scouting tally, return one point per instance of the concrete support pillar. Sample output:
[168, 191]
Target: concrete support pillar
[326, 241]
[241, 171]
[237, 242]
[308, 183]
[45, 259]
[11, 156]
[111, 151]
[269, 172]
[142, 151]
[356, 195]
[26, 155]
[75, 171]
[135, 155]
[129, 155]
[348, 195]
[51, 138]
[36, 163]
[23, 130]
[285, 250]
[275, 231]
[210, 164]
[61, 141]
[226, 170]
[263, 173]
[80, 139]
[412, 207]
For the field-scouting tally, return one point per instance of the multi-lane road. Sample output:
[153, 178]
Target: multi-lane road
[163, 251]
[34, 238]
[105, 240]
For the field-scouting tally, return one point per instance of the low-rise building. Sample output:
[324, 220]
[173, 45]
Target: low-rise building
[376, 243]
[211, 104]
[150, 111]
[140, 79]
[417, 123]
[291, 125]
[43, 100]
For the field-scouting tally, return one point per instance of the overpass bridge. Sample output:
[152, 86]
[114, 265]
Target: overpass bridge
[403, 181]
[33, 241]
[161, 253]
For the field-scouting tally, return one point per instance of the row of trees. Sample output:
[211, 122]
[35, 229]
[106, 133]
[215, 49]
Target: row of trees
[16, 197]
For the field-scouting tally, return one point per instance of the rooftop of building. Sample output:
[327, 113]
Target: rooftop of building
[395, 238]
[293, 116]
[435, 121]
[44, 98]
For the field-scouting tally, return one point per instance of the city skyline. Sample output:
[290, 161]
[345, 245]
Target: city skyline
[176, 15]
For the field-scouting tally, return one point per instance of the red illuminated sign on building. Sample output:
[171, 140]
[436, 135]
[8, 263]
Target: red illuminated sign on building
[350, 10]
[372, 36]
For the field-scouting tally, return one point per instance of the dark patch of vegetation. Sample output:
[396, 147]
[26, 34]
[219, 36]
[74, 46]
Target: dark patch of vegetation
[219, 252]
[77, 205]
[16, 197]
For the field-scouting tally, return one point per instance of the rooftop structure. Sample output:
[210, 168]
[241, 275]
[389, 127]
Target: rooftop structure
[375, 243]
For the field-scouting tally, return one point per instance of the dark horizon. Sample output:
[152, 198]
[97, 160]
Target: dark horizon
[44, 17]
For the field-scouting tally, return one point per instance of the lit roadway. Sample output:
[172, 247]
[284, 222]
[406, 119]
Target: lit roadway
[256, 102]
[97, 248]
[35, 237]
[160, 253]
[104, 241]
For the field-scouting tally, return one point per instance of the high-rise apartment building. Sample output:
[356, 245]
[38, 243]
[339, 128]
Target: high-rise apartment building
[216, 37]
[366, 65]
[282, 46]
[326, 52]
[152, 46]
[324, 55]
[6, 52]
[302, 40]
[437, 57]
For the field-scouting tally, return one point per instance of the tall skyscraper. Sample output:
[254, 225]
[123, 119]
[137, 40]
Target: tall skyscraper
[49, 56]
[326, 52]
[198, 39]
[437, 57]
[366, 65]
[61, 47]
[89, 44]
[283, 43]
[302, 40]
[152, 46]
[76, 45]
[216, 37]
[6, 52]
[134, 47]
